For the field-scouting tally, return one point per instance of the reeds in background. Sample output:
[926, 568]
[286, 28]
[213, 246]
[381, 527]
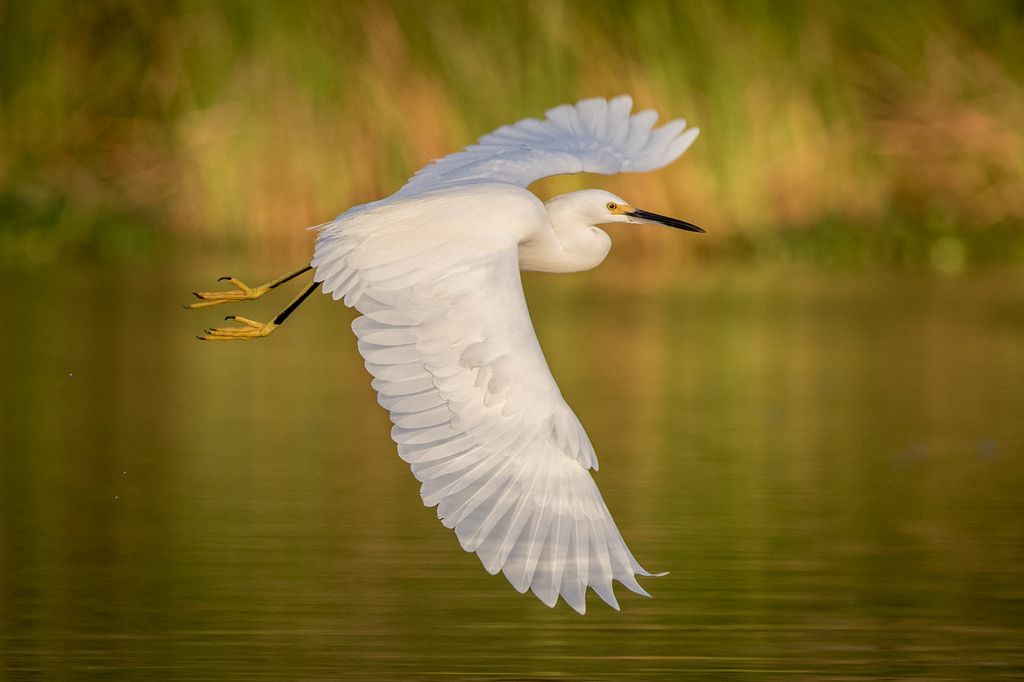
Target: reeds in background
[840, 133]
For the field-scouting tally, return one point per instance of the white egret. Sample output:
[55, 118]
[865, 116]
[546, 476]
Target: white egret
[445, 331]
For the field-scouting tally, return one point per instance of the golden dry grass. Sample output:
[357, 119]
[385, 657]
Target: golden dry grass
[240, 123]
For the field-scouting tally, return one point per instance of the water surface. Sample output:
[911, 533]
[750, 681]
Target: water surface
[829, 465]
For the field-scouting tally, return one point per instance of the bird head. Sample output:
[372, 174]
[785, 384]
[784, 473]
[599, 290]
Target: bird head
[598, 207]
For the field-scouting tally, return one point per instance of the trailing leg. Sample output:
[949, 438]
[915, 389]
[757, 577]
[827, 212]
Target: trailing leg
[256, 330]
[244, 292]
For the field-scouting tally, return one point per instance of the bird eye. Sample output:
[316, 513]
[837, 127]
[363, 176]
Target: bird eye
[612, 206]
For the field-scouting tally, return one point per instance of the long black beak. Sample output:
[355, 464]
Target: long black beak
[647, 217]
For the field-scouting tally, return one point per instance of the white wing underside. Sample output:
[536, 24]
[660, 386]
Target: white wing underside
[593, 136]
[446, 333]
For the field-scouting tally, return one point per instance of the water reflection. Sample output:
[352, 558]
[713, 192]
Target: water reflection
[829, 465]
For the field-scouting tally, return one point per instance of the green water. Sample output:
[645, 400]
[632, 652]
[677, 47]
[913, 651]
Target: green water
[831, 467]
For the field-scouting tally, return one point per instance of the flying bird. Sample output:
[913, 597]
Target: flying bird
[445, 331]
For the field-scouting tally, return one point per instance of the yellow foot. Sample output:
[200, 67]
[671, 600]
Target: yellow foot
[251, 330]
[244, 293]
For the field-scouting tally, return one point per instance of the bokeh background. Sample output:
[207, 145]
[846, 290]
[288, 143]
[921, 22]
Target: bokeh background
[812, 415]
[832, 132]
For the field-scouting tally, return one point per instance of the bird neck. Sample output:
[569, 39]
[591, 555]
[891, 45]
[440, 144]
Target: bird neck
[564, 248]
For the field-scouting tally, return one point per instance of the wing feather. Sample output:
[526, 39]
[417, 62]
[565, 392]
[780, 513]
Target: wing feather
[596, 135]
[447, 336]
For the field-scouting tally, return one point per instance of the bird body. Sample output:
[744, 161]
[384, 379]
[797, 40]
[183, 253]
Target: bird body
[446, 333]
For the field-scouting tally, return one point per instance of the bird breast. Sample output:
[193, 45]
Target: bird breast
[565, 248]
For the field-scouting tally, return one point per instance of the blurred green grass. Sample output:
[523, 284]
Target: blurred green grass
[836, 133]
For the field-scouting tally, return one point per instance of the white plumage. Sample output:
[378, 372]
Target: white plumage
[445, 331]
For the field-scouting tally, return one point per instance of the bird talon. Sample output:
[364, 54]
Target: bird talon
[250, 330]
[244, 293]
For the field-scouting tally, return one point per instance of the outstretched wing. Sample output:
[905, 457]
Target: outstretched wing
[446, 333]
[594, 136]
